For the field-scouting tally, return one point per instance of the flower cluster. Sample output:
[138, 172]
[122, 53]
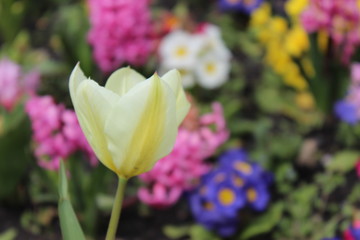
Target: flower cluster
[182, 168]
[236, 183]
[283, 44]
[202, 56]
[339, 19]
[245, 6]
[56, 132]
[14, 83]
[117, 36]
[353, 232]
[348, 109]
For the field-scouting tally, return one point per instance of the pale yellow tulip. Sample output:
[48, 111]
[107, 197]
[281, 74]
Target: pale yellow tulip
[131, 122]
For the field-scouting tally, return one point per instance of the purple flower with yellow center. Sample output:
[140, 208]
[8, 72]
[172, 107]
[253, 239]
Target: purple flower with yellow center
[257, 196]
[224, 191]
[216, 202]
[238, 161]
[245, 6]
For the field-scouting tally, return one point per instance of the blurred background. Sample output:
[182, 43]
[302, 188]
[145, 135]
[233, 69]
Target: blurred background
[269, 150]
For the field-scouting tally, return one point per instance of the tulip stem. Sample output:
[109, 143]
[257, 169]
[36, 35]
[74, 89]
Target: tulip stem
[116, 210]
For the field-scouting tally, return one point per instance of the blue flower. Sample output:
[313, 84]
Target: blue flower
[245, 6]
[257, 196]
[237, 160]
[216, 202]
[346, 112]
[236, 183]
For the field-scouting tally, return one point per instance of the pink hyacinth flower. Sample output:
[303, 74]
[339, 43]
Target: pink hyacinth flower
[56, 132]
[117, 36]
[10, 91]
[355, 73]
[160, 196]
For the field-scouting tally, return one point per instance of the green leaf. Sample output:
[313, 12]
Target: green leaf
[263, 223]
[198, 232]
[175, 232]
[344, 161]
[70, 227]
[9, 234]
[14, 156]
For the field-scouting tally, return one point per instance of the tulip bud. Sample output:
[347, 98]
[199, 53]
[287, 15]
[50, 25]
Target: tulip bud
[132, 122]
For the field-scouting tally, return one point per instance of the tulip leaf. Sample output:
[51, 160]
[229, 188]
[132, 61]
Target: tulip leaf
[70, 227]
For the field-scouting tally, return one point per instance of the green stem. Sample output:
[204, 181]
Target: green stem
[116, 210]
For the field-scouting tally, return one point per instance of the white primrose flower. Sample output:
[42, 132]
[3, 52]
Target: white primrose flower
[180, 50]
[214, 43]
[212, 71]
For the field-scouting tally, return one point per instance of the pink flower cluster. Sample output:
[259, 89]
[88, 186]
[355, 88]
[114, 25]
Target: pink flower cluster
[182, 168]
[14, 83]
[340, 19]
[121, 31]
[56, 132]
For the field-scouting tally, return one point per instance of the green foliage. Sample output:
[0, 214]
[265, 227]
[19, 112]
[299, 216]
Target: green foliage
[263, 224]
[343, 161]
[14, 152]
[9, 234]
[70, 227]
[176, 232]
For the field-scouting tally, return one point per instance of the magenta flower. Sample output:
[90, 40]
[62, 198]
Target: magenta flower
[121, 31]
[355, 73]
[14, 83]
[56, 132]
[340, 19]
[182, 168]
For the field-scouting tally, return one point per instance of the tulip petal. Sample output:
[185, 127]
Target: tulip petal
[76, 77]
[142, 128]
[173, 78]
[122, 80]
[93, 105]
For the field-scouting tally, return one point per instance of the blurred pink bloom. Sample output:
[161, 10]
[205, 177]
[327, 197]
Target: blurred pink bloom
[121, 31]
[355, 73]
[160, 195]
[347, 235]
[56, 132]
[340, 19]
[14, 83]
[182, 168]
[9, 86]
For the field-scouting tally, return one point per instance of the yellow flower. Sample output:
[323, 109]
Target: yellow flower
[278, 25]
[261, 15]
[295, 7]
[296, 41]
[131, 122]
